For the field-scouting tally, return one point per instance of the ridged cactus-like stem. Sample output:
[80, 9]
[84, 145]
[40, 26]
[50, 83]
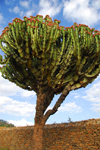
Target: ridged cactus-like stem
[49, 59]
[55, 56]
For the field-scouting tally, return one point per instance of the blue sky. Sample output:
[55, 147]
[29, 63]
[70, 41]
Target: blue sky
[17, 105]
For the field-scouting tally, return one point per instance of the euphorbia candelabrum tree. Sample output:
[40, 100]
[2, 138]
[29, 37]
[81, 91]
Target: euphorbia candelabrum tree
[49, 59]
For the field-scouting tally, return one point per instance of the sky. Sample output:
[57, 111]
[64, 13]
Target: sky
[17, 106]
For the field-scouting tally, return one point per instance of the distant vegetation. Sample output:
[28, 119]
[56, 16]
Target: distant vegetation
[5, 124]
[70, 120]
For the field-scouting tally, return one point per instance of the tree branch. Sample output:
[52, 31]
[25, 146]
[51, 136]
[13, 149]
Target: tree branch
[48, 100]
[58, 103]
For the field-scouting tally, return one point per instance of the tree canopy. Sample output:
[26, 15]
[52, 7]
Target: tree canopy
[49, 59]
[39, 52]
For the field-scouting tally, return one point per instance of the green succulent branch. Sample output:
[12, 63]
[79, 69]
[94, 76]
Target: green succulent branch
[39, 52]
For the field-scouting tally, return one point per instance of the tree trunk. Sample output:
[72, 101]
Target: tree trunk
[39, 121]
[38, 137]
[41, 118]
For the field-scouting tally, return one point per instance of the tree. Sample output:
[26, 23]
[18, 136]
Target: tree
[69, 120]
[49, 59]
[5, 124]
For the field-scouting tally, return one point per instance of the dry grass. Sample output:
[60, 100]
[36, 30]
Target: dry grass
[4, 149]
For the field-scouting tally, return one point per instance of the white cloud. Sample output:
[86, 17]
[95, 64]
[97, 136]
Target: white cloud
[16, 9]
[22, 13]
[51, 8]
[76, 95]
[96, 108]
[93, 93]
[1, 28]
[1, 18]
[46, 8]
[34, 6]
[96, 4]
[28, 93]
[29, 13]
[2, 21]
[18, 108]
[13, 90]
[70, 107]
[20, 123]
[4, 88]
[80, 11]
[24, 4]
[10, 106]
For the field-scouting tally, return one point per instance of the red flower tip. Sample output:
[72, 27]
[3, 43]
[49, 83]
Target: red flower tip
[36, 26]
[37, 20]
[59, 28]
[47, 16]
[15, 19]
[62, 26]
[96, 31]
[32, 20]
[6, 27]
[18, 21]
[50, 24]
[24, 17]
[9, 23]
[57, 20]
[49, 21]
[28, 18]
[39, 15]
[77, 25]
[28, 25]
